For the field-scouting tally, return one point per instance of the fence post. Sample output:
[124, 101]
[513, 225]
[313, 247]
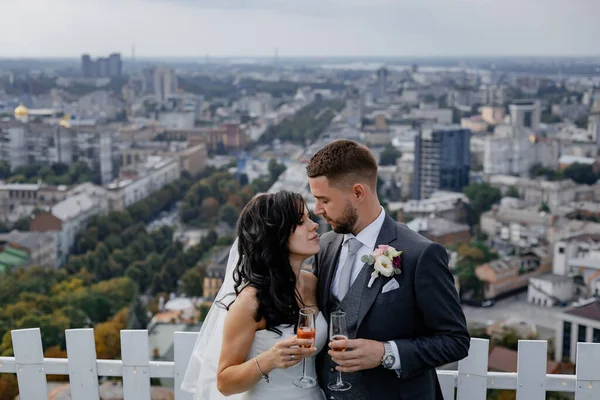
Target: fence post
[472, 372]
[136, 364]
[184, 345]
[531, 370]
[83, 368]
[29, 360]
[447, 385]
[587, 386]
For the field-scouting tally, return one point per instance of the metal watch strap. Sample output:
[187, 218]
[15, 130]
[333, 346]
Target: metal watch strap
[388, 351]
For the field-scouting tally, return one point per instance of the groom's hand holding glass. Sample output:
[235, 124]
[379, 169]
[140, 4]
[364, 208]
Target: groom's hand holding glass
[360, 354]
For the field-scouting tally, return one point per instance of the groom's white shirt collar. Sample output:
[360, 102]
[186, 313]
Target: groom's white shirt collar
[368, 236]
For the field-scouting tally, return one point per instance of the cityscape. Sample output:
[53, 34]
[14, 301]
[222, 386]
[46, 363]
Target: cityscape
[122, 177]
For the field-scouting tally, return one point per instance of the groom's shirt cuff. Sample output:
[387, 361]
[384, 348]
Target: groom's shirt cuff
[397, 364]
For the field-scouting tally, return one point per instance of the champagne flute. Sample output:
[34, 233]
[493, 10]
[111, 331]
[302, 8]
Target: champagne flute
[306, 330]
[338, 330]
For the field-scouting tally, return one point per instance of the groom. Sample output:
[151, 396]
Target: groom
[401, 327]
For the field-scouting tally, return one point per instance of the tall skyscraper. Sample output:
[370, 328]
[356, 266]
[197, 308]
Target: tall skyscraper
[442, 160]
[102, 67]
[165, 83]
[87, 69]
[382, 83]
[594, 128]
[115, 66]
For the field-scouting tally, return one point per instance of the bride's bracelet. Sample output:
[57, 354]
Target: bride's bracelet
[264, 376]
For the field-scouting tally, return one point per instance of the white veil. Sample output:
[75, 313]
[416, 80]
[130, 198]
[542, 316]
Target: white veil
[201, 374]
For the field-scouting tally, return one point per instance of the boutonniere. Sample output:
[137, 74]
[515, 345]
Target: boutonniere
[385, 261]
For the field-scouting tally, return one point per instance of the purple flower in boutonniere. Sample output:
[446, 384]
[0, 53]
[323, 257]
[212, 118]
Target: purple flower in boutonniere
[385, 261]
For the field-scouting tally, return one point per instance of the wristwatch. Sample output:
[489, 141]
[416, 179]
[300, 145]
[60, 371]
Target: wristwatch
[388, 359]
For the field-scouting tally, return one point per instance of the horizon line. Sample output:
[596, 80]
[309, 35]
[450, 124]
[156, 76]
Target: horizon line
[280, 57]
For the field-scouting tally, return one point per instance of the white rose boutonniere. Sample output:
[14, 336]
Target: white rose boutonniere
[385, 261]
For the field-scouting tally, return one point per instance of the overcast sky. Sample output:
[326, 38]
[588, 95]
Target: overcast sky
[57, 28]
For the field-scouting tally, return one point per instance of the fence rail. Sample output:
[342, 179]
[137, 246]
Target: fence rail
[470, 382]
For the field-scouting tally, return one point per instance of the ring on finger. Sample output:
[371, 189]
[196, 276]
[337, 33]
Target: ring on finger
[292, 357]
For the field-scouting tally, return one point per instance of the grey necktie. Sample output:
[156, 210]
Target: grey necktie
[346, 272]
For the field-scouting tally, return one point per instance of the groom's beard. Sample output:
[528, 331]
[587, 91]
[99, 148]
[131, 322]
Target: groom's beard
[347, 222]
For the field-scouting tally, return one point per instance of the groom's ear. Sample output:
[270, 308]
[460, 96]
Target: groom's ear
[359, 191]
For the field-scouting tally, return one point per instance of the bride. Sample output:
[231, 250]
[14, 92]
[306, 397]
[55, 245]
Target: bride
[247, 347]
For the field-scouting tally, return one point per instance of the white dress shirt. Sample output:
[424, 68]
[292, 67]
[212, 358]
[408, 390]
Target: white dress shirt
[368, 238]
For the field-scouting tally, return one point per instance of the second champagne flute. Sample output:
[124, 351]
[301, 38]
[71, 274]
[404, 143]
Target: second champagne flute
[306, 330]
[338, 330]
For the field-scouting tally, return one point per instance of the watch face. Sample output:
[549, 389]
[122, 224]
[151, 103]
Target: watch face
[388, 361]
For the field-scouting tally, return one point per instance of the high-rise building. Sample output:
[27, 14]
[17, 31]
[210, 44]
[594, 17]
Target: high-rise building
[442, 160]
[525, 113]
[382, 83]
[165, 83]
[102, 64]
[115, 66]
[102, 67]
[23, 143]
[87, 66]
[594, 128]
[354, 107]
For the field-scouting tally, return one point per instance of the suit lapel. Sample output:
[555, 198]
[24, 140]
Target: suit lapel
[332, 256]
[387, 235]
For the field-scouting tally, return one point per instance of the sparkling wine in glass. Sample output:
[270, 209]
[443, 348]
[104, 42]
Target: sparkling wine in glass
[306, 330]
[338, 330]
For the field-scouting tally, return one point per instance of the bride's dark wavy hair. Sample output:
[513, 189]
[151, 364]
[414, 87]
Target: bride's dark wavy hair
[264, 229]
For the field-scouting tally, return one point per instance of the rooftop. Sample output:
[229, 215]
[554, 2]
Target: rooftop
[435, 226]
[589, 311]
[502, 359]
[10, 258]
[508, 214]
[553, 278]
[32, 187]
[72, 206]
[28, 240]
[576, 159]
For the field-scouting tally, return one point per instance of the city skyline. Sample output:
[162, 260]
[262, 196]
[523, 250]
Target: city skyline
[187, 28]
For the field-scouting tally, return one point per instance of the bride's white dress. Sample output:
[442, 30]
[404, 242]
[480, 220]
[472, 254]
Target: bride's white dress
[280, 386]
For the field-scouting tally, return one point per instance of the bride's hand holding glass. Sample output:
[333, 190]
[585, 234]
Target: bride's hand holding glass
[286, 353]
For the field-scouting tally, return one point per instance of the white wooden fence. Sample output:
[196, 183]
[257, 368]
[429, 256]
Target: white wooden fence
[471, 381]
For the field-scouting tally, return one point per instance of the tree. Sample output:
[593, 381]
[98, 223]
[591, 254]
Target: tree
[544, 207]
[204, 308]
[582, 122]
[538, 170]
[389, 155]
[470, 256]
[137, 317]
[275, 169]
[22, 224]
[482, 196]
[225, 240]
[9, 386]
[107, 336]
[56, 352]
[209, 209]
[512, 192]
[581, 173]
[229, 215]
[4, 169]
[193, 281]
[244, 179]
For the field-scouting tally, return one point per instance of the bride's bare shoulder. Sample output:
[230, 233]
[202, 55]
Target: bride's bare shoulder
[308, 277]
[247, 297]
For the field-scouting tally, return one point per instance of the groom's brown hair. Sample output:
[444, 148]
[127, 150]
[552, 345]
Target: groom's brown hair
[344, 162]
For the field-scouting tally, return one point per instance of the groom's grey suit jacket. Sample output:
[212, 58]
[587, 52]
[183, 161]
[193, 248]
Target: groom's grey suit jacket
[423, 316]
